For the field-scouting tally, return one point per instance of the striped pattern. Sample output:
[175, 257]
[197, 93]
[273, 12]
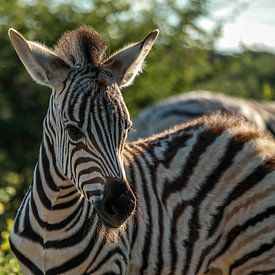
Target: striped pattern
[177, 109]
[205, 192]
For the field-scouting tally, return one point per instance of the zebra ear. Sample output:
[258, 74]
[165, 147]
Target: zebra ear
[126, 64]
[44, 66]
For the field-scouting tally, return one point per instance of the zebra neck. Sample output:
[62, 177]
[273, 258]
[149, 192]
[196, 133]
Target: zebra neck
[52, 215]
[55, 192]
[54, 203]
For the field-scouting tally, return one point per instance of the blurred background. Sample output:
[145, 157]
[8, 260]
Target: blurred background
[217, 45]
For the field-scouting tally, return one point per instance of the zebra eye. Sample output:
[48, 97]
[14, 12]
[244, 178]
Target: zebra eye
[74, 132]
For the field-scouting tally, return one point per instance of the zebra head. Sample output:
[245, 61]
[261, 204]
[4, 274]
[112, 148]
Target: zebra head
[87, 120]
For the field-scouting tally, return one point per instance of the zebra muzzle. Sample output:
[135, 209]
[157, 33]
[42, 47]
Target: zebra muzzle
[117, 204]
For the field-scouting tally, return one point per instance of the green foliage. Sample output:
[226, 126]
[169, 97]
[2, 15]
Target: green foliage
[8, 264]
[267, 91]
[182, 60]
[248, 74]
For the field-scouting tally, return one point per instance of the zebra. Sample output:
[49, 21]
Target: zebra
[177, 109]
[196, 199]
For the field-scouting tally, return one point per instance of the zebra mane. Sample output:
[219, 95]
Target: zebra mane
[81, 46]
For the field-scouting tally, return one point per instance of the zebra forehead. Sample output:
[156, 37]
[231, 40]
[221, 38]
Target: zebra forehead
[79, 46]
[102, 103]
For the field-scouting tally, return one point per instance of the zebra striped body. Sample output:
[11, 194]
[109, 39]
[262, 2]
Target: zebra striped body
[210, 185]
[204, 190]
[205, 199]
[177, 109]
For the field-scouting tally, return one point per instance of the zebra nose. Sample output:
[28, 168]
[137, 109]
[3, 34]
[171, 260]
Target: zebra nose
[117, 205]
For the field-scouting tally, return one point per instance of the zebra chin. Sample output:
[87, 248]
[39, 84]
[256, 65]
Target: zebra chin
[117, 204]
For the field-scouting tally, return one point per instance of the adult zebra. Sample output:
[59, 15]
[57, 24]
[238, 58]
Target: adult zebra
[180, 108]
[205, 190]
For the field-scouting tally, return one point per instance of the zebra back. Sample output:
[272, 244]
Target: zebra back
[180, 108]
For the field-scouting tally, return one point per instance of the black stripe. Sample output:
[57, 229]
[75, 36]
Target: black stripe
[177, 213]
[75, 261]
[69, 194]
[106, 152]
[88, 171]
[206, 251]
[134, 229]
[147, 199]
[116, 252]
[19, 213]
[212, 180]
[204, 139]
[250, 181]
[67, 204]
[27, 262]
[85, 100]
[40, 190]
[52, 226]
[68, 81]
[234, 233]
[73, 239]
[75, 219]
[46, 169]
[70, 84]
[262, 272]
[102, 244]
[28, 233]
[54, 160]
[253, 254]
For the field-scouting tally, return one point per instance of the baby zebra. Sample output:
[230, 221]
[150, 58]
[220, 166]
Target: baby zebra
[177, 109]
[198, 199]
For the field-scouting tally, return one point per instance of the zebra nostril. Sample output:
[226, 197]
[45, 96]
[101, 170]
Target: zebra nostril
[120, 207]
[109, 208]
[117, 203]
